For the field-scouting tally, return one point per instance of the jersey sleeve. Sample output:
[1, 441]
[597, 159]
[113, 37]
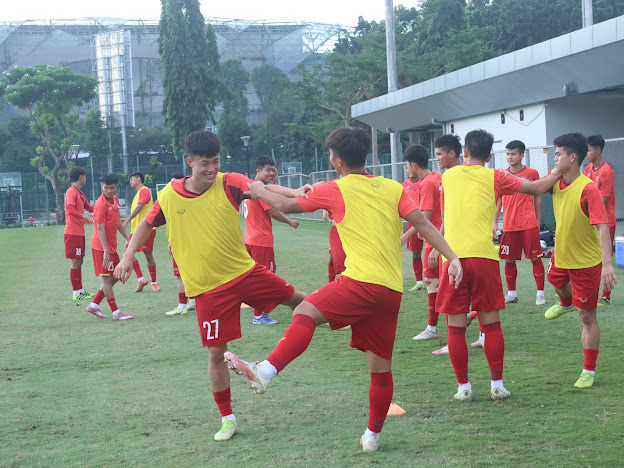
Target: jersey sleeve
[235, 185]
[145, 196]
[155, 216]
[406, 204]
[265, 206]
[441, 198]
[427, 194]
[326, 196]
[606, 183]
[505, 184]
[593, 206]
[73, 211]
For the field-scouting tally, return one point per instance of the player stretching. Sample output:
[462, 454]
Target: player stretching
[603, 176]
[141, 204]
[203, 226]
[522, 214]
[367, 211]
[469, 195]
[74, 234]
[104, 246]
[416, 158]
[259, 230]
[415, 243]
[582, 248]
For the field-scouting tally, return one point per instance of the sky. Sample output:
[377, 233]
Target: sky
[343, 12]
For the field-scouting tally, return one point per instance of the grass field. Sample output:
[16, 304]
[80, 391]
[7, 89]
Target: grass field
[79, 391]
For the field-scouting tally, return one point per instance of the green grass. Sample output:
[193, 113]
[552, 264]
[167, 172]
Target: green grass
[76, 390]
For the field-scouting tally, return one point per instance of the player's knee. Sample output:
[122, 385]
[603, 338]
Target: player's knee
[296, 299]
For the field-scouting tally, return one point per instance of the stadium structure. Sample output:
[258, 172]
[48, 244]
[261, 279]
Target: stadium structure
[72, 43]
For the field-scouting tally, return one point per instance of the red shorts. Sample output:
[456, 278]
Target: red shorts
[429, 272]
[218, 312]
[371, 310]
[338, 255]
[264, 256]
[481, 287]
[176, 270]
[148, 246]
[513, 242]
[74, 246]
[585, 283]
[98, 258]
[414, 243]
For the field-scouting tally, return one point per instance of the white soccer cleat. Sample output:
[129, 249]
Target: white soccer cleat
[511, 300]
[441, 352]
[540, 300]
[425, 335]
[369, 443]
[248, 371]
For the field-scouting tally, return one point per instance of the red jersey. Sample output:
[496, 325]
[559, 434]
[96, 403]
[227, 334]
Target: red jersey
[258, 226]
[413, 190]
[106, 213]
[429, 195]
[519, 209]
[75, 205]
[604, 178]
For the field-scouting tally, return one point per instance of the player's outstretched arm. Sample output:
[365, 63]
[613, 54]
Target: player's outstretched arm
[290, 192]
[121, 227]
[134, 213]
[124, 269]
[407, 234]
[537, 187]
[279, 216]
[608, 274]
[272, 197]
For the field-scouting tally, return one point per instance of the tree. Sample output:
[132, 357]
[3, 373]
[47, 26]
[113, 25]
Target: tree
[191, 70]
[94, 138]
[18, 145]
[233, 121]
[52, 95]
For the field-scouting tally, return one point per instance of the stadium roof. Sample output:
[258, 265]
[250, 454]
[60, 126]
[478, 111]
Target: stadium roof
[589, 60]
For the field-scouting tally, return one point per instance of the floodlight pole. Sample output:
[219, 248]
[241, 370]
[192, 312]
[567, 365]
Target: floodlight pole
[246, 142]
[395, 137]
[588, 13]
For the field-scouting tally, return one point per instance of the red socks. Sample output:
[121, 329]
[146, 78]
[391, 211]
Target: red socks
[494, 348]
[565, 301]
[223, 401]
[606, 294]
[458, 352]
[538, 274]
[417, 265]
[137, 268]
[182, 298]
[379, 399]
[98, 297]
[433, 315]
[590, 359]
[331, 271]
[152, 272]
[295, 341]
[511, 273]
[112, 304]
[75, 276]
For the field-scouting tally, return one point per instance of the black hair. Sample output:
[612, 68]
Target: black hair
[109, 179]
[137, 174]
[417, 154]
[202, 143]
[264, 161]
[449, 142]
[516, 144]
[177, 175]
[350, 144]
[596, 141]
[573, 143]
[479, 144]
[76, 172]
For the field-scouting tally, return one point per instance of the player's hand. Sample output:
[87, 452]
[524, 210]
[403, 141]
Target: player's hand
[403, 239]
[495, 231]
[608, 276]
[106, 260]
[293, 223]
[88, 218]
[123, 270]
[303, 190]
[326, 216]
[455, 272]
[434, 255]
[255, 188]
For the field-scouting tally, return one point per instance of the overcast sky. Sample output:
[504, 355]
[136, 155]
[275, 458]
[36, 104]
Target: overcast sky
[343, 12]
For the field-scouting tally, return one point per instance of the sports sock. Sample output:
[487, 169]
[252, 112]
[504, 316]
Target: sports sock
[223, 401]
[511, 272]
[606, 294]
[112, 304]
[433, 315]
[494, 347]
[379, 399]
[511, 293]
[295, 341]
[331, 271]
[152, 272]
[589, 363]
[538, 274]
[137, 269]
[565, 301]
[418, 268]
[182, 299]
[257, 313]
[497, 384]
[75, 276]
[458, 352]
[98, 297]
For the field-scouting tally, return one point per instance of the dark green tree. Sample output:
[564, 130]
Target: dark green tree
[18, 145]
[94, 138]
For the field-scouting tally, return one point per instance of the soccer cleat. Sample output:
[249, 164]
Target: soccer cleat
[248, 371]
[121, 316]
[369, 443]
[511, 300]
[228, 429]
[417, 287]
[603, 301]
[83, 296]
[140, 285]
[264, 319]
[191, 304]
[175, 311]
[477, 344]
[442, 351]
[97, 312]
[499, 394]
[586, 380]
[540, 300]
[464, 395]
[557, 311]
[470, 317]
[155, 287]
[425, 335]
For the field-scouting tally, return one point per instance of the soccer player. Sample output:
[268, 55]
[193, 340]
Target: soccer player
[104, 247]
[522, 214]
[582, 248]
[367, 211]
[469, 199]
[74, 234]
[141, 204]
[203, 227]
[415, 243]
[416, 158]
[601, 173]
[259, 230]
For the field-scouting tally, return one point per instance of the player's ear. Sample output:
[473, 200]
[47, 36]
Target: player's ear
[489, 157]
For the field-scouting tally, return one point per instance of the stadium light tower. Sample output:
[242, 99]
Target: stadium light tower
[395, 137]
[588, 13]
[246, 141]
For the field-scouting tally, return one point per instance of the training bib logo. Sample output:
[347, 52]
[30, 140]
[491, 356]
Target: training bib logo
[181, 211]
